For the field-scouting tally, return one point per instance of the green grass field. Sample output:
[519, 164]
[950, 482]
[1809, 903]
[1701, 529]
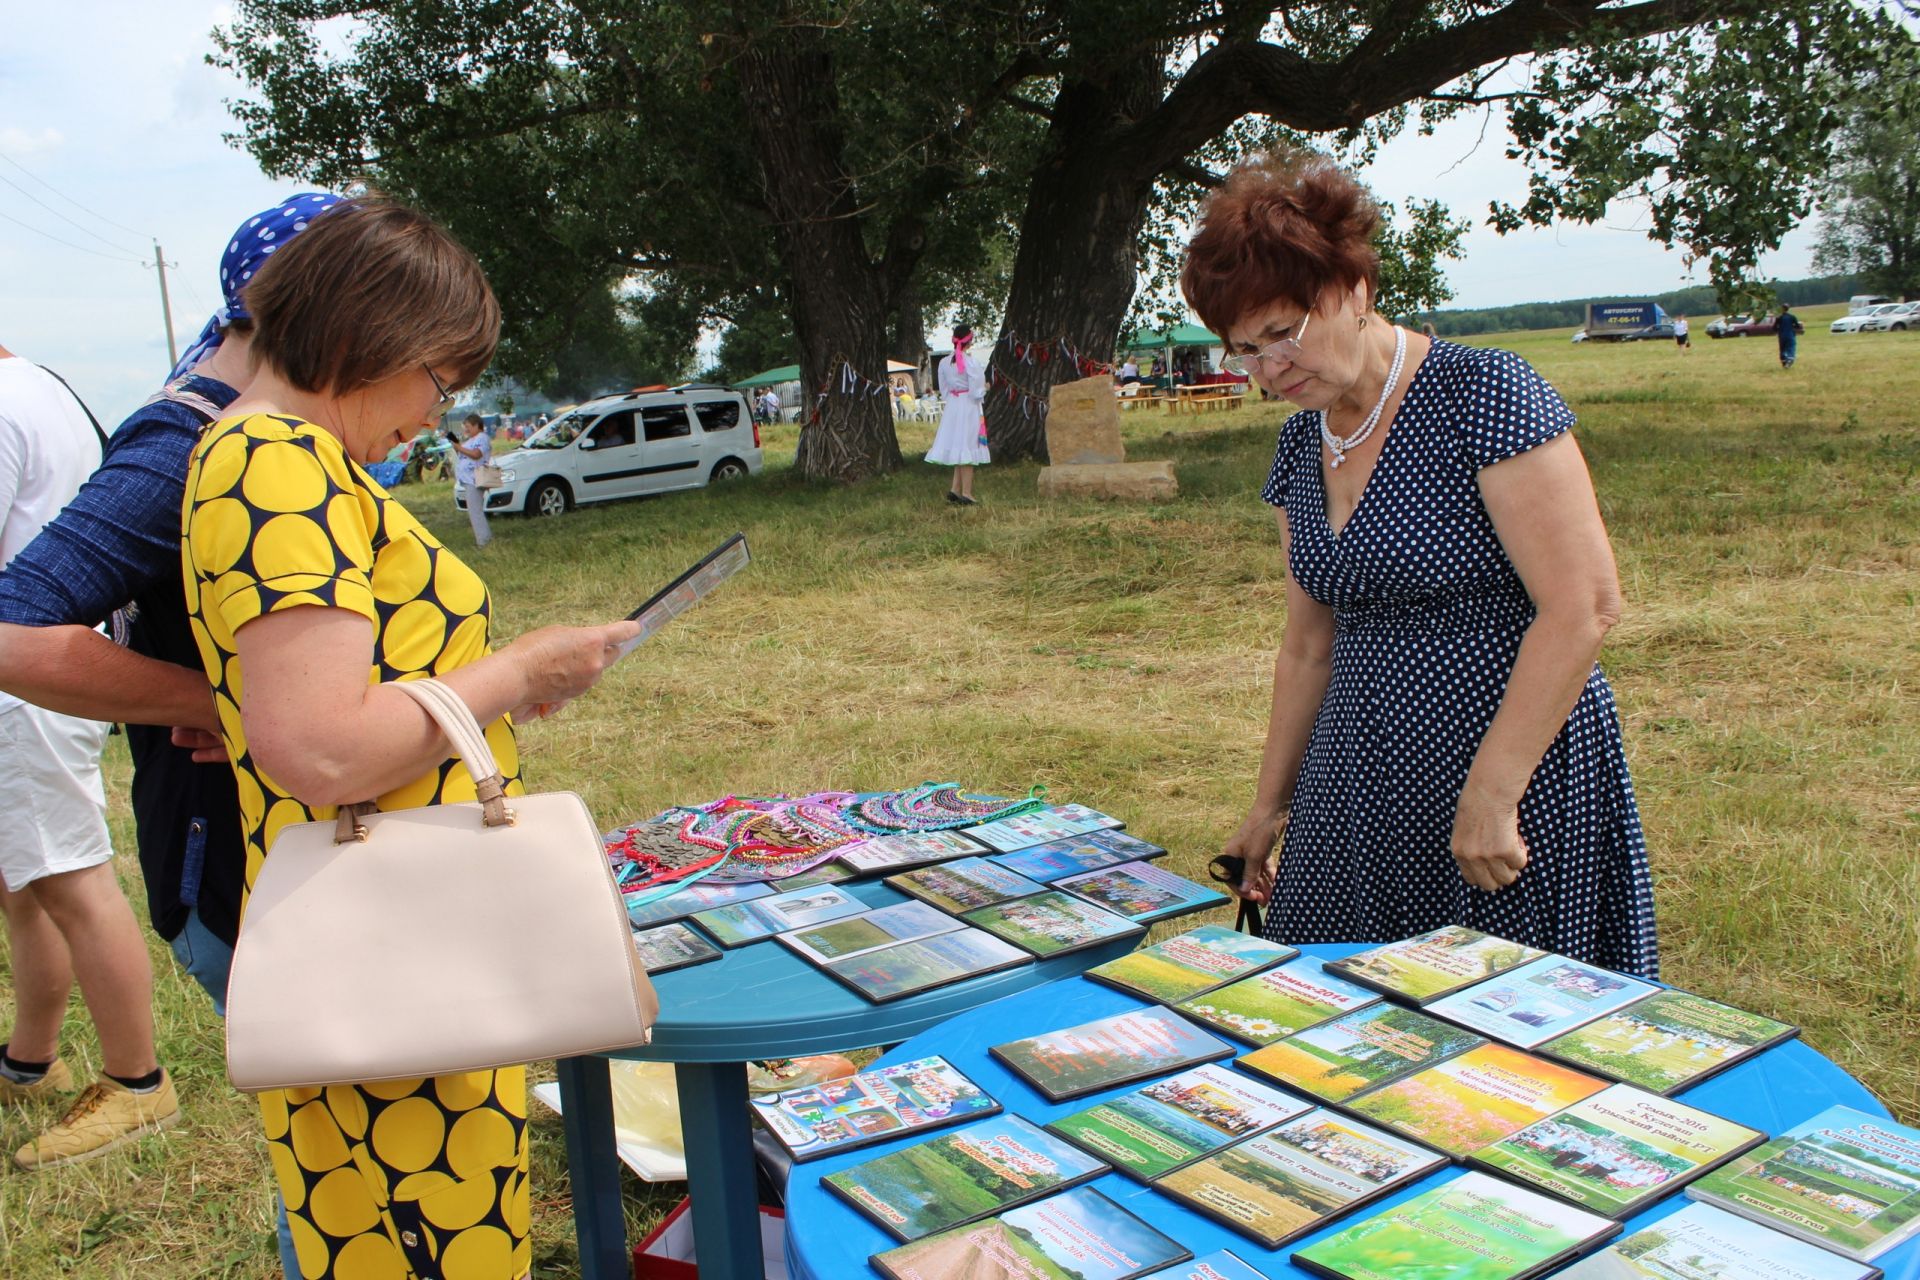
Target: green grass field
[1767, 524]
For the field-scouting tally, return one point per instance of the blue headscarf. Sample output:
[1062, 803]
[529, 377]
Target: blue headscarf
[253, 242]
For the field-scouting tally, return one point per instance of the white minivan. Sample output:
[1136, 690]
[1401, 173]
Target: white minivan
[627, 446]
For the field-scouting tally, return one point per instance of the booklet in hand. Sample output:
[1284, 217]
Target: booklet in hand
[687, 590]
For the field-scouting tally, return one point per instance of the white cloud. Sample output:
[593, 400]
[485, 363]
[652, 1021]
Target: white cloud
[18, 142]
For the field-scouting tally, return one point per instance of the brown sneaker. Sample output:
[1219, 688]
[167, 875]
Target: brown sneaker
[57, 1080]
[106, 1115]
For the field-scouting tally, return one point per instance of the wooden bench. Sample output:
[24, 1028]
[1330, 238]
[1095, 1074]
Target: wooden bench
[1204, 398]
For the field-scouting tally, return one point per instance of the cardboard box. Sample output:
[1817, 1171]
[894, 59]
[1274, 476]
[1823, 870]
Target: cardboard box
[667, 1251]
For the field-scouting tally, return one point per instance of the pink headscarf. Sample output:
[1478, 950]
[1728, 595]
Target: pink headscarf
[962, 339]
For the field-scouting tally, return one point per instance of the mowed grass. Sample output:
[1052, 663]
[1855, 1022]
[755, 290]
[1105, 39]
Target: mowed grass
[1765, 522]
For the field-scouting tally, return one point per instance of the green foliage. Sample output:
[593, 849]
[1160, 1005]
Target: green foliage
[617, 154]
[1721, 129]
[1872, 208]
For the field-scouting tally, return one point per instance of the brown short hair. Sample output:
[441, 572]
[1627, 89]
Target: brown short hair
[1285, 225]
[371, 288]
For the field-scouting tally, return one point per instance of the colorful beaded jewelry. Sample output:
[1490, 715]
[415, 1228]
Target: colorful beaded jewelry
[935, 806]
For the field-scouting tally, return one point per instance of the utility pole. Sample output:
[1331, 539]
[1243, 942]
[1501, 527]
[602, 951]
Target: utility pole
[166, 307]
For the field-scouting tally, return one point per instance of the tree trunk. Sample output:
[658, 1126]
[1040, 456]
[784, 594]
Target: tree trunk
[839, 294]
[1074, 274]
[910, 333]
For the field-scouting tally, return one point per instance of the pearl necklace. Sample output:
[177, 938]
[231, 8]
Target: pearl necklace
[1340, 446]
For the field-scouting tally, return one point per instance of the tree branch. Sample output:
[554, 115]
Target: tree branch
[1235, 79]
[1196, 173]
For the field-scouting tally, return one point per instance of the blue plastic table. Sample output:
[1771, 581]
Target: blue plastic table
[759, 1001]
[828, 1240]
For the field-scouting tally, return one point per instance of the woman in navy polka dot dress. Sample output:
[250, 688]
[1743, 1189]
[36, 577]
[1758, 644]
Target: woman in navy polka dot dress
[1442, 747]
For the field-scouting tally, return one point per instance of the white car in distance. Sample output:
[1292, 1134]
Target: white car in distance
[627, 446]
[1862, 321]
[1897, 318]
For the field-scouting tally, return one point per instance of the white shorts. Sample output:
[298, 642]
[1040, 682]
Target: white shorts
[50, 765]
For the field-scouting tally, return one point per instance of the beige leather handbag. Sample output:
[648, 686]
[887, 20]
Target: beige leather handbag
[423, 942]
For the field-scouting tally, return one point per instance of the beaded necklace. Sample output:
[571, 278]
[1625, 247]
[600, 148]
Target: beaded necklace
[935, 806]
[647, 854]
[771, 837]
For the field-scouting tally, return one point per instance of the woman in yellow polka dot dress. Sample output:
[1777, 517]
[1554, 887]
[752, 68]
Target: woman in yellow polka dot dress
[310, 591]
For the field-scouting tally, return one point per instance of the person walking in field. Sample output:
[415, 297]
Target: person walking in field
[1680, 338]
[1788, 330]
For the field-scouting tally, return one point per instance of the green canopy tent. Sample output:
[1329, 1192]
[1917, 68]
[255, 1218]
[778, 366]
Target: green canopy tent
[768, 378]
[1181, 335]
[1163, 342]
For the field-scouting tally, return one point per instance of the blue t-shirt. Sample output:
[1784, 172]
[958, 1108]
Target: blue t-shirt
[118, 544]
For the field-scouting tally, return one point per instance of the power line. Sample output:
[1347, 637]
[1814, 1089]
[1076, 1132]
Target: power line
[70, 244]
[85, 231]
[70, 200]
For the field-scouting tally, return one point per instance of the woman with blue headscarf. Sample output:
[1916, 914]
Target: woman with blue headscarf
[118, 544]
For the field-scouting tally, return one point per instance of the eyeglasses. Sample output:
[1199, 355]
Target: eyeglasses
[446, 397]
[1287, 349]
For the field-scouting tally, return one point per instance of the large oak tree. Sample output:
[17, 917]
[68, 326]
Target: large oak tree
[830, 146]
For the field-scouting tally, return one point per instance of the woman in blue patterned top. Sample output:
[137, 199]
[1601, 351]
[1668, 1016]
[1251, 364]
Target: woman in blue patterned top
[1442, 748]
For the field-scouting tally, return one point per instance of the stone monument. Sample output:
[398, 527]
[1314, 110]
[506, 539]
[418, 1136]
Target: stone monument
[1083, 444]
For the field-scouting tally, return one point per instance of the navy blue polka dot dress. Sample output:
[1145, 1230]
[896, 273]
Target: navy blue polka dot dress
[1428, 615]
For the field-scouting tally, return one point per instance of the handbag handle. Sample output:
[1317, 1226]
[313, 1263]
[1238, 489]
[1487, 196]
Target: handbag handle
[469, 741]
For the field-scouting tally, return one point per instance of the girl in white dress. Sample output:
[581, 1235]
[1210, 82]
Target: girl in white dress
[961, 441]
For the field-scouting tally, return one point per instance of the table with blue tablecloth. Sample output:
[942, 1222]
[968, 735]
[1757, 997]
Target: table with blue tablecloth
[828, 1240]
[758, 1001]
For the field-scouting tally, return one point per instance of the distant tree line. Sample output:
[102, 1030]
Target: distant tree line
[1697, 301]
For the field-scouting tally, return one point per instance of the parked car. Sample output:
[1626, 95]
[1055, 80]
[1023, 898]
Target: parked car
[1859, 321]
[1739, 326]
[626, 446]
[1897, 318]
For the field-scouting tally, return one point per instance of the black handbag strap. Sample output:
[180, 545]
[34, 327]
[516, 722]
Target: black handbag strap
[95, 422]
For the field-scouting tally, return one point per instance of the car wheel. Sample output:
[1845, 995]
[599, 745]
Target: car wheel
[549, 498]
[1899, 328]
[728, 469]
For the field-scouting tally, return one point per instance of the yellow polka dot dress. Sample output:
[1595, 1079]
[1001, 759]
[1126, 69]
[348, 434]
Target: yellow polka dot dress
[409, 1179]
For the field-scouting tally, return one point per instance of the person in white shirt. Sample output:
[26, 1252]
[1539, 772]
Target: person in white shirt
[66, 915]
[1129, 371]
[1680, 338]
[473, 451]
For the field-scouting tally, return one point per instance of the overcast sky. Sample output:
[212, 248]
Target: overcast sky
[110, 137]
